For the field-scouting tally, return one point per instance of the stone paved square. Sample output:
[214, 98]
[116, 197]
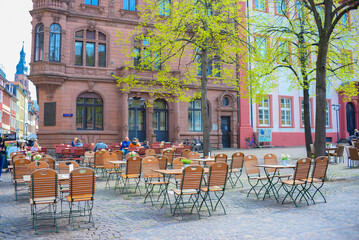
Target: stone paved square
[125, 216]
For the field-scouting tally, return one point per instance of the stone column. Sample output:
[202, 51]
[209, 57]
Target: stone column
[149, 125]
[123, 115]
[177, 128]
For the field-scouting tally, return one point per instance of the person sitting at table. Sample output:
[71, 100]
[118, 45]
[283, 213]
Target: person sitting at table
[134, 143]
[145, 144]
[74, 142]
[21, 146]
[100, 145]
[124, 145]
[78, 143]
[36, 147]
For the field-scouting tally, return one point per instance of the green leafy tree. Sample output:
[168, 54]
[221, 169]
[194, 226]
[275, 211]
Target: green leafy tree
[187, 45]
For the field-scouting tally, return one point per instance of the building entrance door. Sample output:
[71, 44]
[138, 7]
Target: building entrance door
[350, 118]
[137, 119]
[160, 120]
[226, 129]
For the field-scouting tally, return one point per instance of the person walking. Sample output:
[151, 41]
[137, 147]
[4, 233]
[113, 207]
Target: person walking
[2, 155]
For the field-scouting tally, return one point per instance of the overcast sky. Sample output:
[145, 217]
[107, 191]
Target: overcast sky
[15, 27]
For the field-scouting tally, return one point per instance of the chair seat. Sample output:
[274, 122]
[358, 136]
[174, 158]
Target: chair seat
[185, 191]
[314, 180]
[157, 183]
[99, 166]
[43, 200]
[284, 176]
[235, 170]
[292, 182]
[130, 175]
[19, 180]
[332, 154]
[259, 178]
[211, 189]
[114, 171]
[79, 198]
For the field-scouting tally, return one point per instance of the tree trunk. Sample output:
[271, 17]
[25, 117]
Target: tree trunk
[320, 131]
[307, 123]
[205, 117]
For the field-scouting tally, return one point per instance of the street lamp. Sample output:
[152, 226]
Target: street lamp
[136, 103]
[336, 108]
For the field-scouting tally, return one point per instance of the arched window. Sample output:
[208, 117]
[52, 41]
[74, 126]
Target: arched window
[39, 42]
[89, 112]
[55, 43]
[87, 43]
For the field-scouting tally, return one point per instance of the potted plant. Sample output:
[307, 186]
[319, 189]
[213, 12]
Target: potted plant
[186, 162]
[285, 159]
[37, 157]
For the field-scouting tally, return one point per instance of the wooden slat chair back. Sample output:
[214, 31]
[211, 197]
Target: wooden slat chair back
[142, 151]
[20, 168]
[162, 161]
[302, 169]
[149, 164]
[50, 161]
[129, 154]
[46, 156]
[353, 153]
[150, 152]
[177, 164]
[192, 177]
[133, 165]
[169, 154]
[356, 144]
[185, 153]
[220, 157]
[250, 165]
[18, 156]
[320, 167]
[89, 158]
[63, 167]
[36, 165]
[44, 184]
[119, 154]
[99, 158]
[194, 155]
[82, 185]
[270, 159]
[237, 160]
[79, 151]
[109, 156]
[218, 173]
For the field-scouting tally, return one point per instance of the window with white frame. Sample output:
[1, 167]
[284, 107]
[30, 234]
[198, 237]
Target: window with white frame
[286, 112]
[327, 118]
[310, 117]
[264, 112]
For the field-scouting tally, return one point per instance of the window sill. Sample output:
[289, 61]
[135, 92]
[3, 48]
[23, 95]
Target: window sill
[129, 12]
[94, 7]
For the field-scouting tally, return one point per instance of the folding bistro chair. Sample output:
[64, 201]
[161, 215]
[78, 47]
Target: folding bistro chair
[190, 186]
[216, 183]
[354, 156]
[149, 164]
[299, 179]
[119, 154]
[150, 152]
[254, 175]
[133, 171]
[43, 192]
[82, 190]
[20, 169]
[339, 153]
[128, 155]
[64, 168]
[177, 164]
[98, 161]
[36, 165]
[169, 153]
[271, 159]
[185, 153]
[50, 161]
[110, 168]
[79, 153]
[236, 167]
[194, 155]
[90, 158]
[318, 177]
[162, 161]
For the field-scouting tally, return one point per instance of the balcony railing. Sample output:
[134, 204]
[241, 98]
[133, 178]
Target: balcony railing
[58, 4]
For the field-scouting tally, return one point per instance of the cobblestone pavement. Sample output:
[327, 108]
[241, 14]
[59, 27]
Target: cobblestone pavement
[125, 216]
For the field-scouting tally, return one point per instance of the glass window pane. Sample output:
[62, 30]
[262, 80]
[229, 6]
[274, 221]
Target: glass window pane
[163, 121]
[80, 100]
[197, 104]
[99, 117]
[132, 5]
[190, 121]
[131, 119]
[89, 117]
[197, 121]
[79, 34]
[101, 36]
[79, 117]
[78, 53]
[98, 100]
[89, 100]
[140, 121]
[102, 55]
[155, 121]
[90, 35]
[90, 54]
